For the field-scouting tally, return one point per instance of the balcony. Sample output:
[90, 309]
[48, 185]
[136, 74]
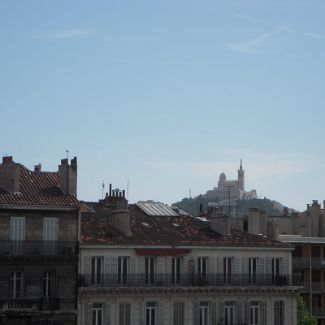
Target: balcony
[38, 248]
[182, 280]
[306, 262]
[30, 304]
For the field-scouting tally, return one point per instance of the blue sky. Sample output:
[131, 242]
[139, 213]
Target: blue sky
[168, 94]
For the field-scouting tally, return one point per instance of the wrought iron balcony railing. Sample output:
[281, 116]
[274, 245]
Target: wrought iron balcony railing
[183, 280]
[35, 248]
[306, 262]
[45, 303]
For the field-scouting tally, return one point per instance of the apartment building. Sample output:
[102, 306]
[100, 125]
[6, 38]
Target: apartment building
[39, 216]
[148, 264]
[306, 231]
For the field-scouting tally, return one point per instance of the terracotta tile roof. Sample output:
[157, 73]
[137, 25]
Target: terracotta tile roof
[38, 188]
[96, 228]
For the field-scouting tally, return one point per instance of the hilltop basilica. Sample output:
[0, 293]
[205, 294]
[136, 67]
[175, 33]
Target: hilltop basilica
[231, 190]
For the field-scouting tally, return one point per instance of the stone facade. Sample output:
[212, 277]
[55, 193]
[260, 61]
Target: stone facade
[39, 225]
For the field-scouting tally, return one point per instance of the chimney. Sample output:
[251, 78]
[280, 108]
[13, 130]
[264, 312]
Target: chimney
[38, 168]
[68, 176]
[257, 222]
[220, 222]
[117, 207]
[10, 175]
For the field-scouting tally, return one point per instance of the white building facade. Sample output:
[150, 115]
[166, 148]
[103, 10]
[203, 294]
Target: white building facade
[176, 270]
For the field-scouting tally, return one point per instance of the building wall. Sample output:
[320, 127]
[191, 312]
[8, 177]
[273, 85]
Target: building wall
[68, 224]
[215, 258]
[165, 306]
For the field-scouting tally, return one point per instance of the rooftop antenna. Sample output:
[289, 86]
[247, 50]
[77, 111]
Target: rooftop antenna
[103, 187]
[128, 190]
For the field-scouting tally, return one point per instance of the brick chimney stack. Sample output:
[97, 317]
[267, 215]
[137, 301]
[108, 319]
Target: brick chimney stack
[219, 222]
[116, 206]
[10, 175]
[68, 176]
[38, 168]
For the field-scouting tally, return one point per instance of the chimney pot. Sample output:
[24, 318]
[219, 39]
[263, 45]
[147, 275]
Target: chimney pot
[37, 168]
[7, 160]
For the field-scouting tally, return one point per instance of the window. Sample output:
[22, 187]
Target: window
[49, 288]
[96, 269]
[17, 234]
[227, 269]
[275, 270]
[97, 314]
[122, 269]
[191, 271]
[252, 264]
[50, 235]
[150, 269]
[254, 313]
[50, 229]
[204, 313]
[125, 314]
[278, 313]
[229, 313]
[315, 251]
[176, 270]
[178, 317]
[16, 285]
[151, 313]
[202, 268]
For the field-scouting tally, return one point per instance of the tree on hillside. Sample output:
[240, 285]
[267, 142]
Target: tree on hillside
[303, 315]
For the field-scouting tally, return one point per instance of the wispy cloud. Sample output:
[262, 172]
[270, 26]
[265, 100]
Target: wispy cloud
[67, 33]
[262, 166]
[244, 17]
[257, 44]
[311, 35]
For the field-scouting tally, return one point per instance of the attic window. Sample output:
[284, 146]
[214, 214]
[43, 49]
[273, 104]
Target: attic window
[176, 225]
[145, 224]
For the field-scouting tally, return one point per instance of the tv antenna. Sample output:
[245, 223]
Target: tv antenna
[103, 187]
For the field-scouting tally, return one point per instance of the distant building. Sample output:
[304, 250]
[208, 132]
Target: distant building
[39, 215]
[228, 191]
[306, 232]
[148, 264]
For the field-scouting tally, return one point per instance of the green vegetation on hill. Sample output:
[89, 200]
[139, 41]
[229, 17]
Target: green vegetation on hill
[240, 209]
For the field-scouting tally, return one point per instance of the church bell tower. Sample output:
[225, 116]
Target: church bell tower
[241, 177]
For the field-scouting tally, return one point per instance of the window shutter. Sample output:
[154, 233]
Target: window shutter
[56, 229]
[87, 265]
[239, 312]
[168, 270]
[268, 268]
[213, 313]
[141, 312]
[133, 265]
[23, 228]
[237, 265]
[141, 265]
[261, 266]
[262, 305]
[114, 261]
[160, 313]
[247, 314]
[89, 314]
[245, 266]
[211, 265]
[106, 312]
[221, 311]
[196, 313]
[160, 265]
